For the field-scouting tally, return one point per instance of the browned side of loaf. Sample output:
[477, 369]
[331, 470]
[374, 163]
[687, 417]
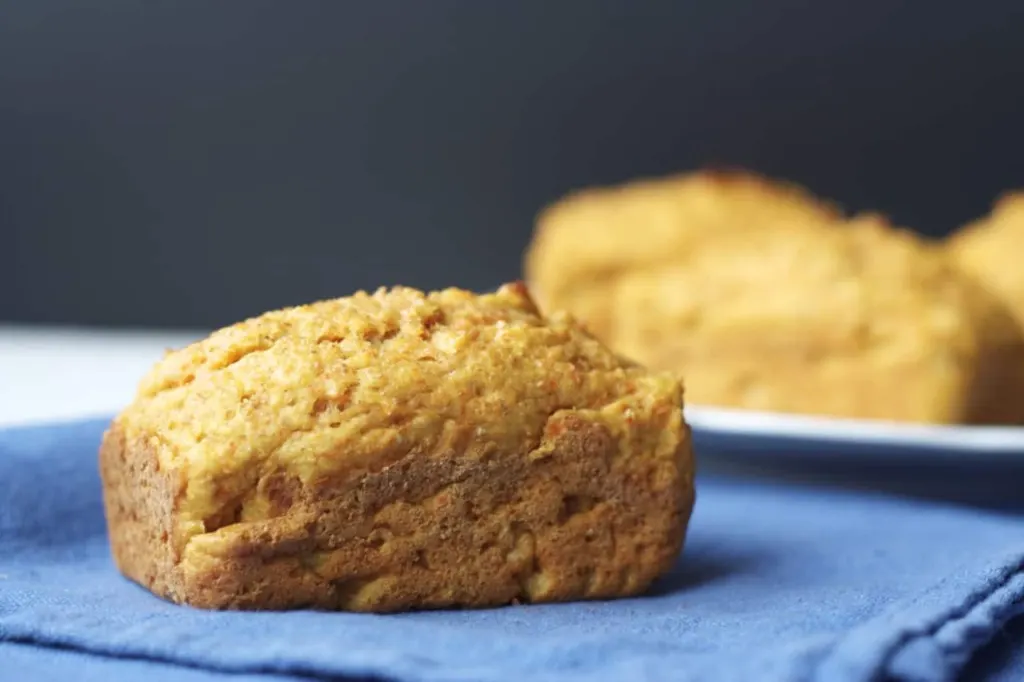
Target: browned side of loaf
[140, 500]
[588, 520]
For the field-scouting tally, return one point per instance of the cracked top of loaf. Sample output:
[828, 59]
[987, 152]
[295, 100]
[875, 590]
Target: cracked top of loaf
[348, 386]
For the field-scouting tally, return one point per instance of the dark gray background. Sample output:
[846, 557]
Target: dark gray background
[190, 163]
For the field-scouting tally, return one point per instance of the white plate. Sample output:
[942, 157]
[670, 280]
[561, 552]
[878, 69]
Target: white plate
[976, 464]
[862, 436]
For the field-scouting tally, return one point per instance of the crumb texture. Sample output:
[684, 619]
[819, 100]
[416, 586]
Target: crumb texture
[398, 450]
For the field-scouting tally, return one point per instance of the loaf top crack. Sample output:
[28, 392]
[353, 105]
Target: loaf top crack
[345, 387]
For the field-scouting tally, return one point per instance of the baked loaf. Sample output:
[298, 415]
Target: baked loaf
[585, 242]
[992, 250]
[396, 451]
[861, 320]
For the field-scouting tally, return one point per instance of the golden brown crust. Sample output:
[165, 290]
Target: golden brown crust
[582, 490]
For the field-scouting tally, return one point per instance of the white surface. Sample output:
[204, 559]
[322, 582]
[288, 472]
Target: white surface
[57, 373]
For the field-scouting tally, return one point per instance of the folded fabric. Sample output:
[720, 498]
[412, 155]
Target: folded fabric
[777, 583]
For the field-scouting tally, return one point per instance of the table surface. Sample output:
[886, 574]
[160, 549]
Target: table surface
[52, 373]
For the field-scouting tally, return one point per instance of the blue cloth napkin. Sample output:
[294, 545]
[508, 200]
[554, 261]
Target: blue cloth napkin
[778, 583]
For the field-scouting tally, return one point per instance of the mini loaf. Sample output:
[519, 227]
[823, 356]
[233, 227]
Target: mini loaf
[586, 241]
[397, 451]
[861, 320]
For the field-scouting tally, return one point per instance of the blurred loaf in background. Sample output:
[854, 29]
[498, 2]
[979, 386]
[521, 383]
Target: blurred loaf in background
[992, 250]
[585, 243]
[766, 297]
